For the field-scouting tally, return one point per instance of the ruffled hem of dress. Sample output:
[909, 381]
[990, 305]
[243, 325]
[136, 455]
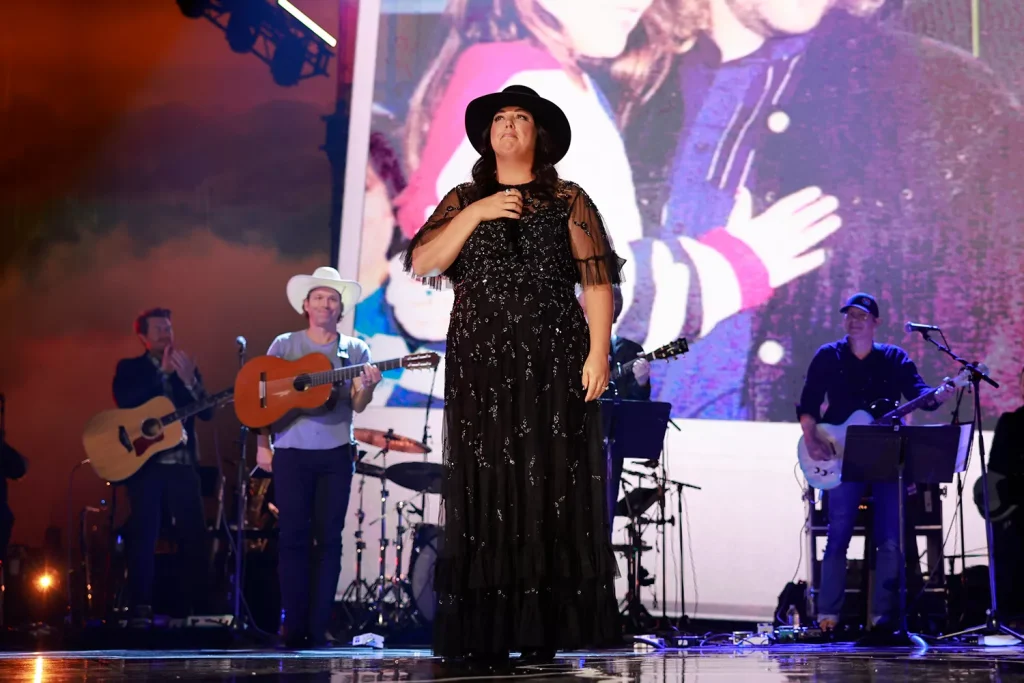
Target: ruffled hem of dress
[573, 615]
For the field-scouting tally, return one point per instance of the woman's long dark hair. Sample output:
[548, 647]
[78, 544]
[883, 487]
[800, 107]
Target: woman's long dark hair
[485, 170]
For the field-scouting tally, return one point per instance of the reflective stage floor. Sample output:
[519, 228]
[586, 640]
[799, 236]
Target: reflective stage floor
[797, 663]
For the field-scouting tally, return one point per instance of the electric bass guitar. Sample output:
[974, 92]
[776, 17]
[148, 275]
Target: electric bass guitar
[827, 474]
[120, 442]
[268, 388]
[1003, 493]
[670, 350]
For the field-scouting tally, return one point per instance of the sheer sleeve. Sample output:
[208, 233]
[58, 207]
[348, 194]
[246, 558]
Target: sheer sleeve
[446, 210]
[596, 260]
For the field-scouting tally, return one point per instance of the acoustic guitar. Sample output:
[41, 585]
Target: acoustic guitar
[827, 474]
[268, 388]
[670, 350]
[119, 442]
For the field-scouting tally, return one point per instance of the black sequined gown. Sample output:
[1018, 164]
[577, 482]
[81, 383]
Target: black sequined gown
[526, 562]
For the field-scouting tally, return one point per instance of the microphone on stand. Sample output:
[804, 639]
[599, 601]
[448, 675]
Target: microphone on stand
[920, 327]
[240, 340]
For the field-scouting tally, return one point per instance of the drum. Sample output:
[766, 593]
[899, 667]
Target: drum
[427, 540]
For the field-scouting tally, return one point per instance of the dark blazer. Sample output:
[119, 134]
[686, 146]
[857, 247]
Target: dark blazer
[919, 142]
[626, 387]
[137, 380]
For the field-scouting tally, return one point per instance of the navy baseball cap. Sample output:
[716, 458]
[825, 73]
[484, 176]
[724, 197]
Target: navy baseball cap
[864, 302]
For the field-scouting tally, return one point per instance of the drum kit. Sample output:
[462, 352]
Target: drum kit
[400, 600]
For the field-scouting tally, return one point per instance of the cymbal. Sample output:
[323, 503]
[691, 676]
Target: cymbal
[368, 470]
[424, 477]
[390, 440]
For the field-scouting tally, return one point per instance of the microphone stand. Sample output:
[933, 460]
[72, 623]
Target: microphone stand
[242, 500]
[979, 373]
[960, 494]
[944, 347]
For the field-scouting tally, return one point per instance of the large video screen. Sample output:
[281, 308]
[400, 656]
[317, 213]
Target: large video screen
[868, 146]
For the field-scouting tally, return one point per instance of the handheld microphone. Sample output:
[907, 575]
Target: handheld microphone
[920, 327]
[240, 340]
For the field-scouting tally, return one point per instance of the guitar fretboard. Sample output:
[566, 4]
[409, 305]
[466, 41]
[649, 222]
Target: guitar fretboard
[342, 374]
[199, 406]
[911, 406]
[619, 370]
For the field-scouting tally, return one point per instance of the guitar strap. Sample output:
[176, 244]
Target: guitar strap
[332, 402]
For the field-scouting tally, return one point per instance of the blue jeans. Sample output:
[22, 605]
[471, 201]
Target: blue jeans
[311, 490]
[842, 515]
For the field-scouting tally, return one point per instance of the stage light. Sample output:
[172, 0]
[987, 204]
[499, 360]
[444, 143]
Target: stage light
[307, 22]
[193, 9]
[289, 57]
[44, 582]
[243, 26]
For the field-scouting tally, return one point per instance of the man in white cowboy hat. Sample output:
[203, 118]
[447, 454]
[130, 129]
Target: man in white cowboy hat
[312, 456]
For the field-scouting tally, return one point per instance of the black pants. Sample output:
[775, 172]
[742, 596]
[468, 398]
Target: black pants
[174, 489]
[311, 489]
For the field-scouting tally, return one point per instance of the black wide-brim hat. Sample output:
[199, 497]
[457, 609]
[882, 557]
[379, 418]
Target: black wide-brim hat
[546, 113]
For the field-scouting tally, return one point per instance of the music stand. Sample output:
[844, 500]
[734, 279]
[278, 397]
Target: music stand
[897, 453]
[635, 430]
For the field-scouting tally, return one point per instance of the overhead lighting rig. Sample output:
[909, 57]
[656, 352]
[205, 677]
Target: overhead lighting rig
[276, 31]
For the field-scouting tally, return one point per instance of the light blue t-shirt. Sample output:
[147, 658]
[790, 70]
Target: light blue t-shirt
[322, 428]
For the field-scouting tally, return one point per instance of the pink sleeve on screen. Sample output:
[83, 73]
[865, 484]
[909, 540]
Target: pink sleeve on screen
[481, 69]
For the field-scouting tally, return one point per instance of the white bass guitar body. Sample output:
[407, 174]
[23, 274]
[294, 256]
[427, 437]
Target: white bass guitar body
[827, 474]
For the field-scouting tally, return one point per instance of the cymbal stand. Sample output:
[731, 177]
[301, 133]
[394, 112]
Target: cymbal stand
[426, 435]
[663, 483]
[358, 589]
[400, 586]
[634, 610]
[397, 578]
[381, 585]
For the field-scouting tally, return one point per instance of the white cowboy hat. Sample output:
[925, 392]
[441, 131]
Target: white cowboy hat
[300, 286]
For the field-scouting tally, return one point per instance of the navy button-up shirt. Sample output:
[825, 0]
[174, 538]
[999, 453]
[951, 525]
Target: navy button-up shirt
[850, 384]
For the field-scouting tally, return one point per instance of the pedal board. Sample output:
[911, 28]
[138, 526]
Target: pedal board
[203, 621]
[790, 635]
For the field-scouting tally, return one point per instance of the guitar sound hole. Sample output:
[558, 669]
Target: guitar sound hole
[151, 428]
[302, 383]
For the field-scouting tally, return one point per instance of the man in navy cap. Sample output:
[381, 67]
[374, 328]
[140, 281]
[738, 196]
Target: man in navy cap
[853, 373]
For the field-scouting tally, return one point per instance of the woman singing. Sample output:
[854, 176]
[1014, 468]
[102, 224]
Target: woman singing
[526, 563]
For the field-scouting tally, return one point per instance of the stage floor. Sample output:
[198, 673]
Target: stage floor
[760, 665]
